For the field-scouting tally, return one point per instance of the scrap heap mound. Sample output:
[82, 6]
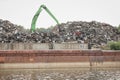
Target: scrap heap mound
[94, 33]
[9, 32]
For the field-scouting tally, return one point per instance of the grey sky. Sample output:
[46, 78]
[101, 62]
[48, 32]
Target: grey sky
[21, 12]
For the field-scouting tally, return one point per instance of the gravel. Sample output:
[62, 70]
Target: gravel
[61, 75]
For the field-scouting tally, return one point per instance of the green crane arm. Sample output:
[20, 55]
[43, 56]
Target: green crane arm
[33, 25]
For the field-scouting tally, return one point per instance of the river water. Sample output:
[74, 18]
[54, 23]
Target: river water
[60, 74]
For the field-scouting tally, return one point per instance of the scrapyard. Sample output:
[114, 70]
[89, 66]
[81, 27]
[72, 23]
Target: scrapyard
[60, 52]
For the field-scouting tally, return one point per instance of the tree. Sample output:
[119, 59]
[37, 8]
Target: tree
[41, 30]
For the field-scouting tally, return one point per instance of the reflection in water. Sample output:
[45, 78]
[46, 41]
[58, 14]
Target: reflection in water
[70, 74]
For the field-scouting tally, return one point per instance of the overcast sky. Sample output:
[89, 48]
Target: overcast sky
[21, 12]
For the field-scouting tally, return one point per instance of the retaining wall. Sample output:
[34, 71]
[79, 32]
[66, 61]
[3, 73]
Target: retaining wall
[41, 46]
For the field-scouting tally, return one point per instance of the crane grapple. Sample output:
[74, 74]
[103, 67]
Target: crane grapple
[34, 20]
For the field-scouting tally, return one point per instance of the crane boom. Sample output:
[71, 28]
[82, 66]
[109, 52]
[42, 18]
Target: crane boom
[33, 24]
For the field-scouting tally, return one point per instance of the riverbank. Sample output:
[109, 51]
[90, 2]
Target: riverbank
[59, 65]
[60, 74]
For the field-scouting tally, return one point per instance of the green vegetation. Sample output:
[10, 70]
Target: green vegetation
[44, 30]
[114, 45]
[49, 29]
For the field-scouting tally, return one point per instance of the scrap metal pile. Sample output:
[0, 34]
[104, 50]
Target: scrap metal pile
[95, 33]
[11, 33]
